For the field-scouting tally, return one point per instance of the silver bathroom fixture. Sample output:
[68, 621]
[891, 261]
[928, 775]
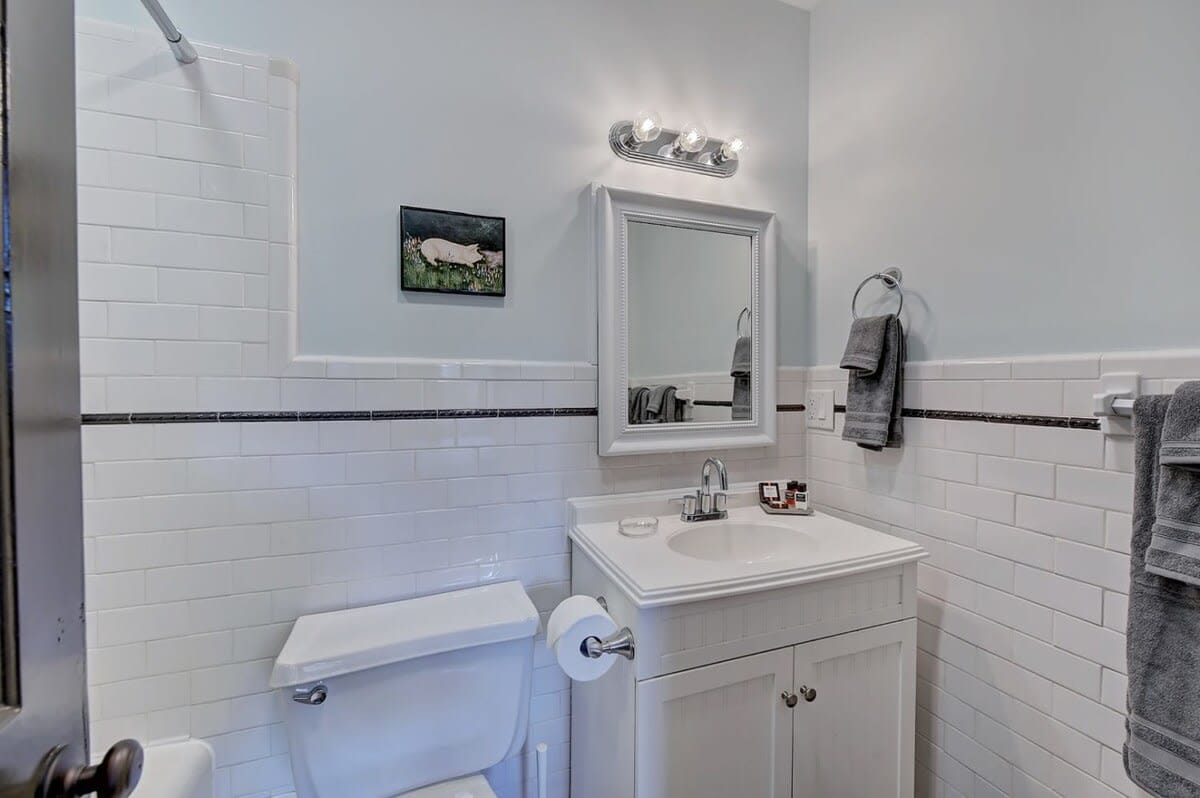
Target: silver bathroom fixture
[619, 643]
[644, 140]
[311, 696]
[748, 316]
[704, 505]
[1113, 405]
[891, 277]
[180, 46]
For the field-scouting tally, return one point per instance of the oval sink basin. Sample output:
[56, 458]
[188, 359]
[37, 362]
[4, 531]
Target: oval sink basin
[744, 543]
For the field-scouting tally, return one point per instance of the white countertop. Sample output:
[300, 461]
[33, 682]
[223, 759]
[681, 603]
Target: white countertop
[653, 574]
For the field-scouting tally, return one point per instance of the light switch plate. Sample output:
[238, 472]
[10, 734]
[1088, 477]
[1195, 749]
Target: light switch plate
[819, 411]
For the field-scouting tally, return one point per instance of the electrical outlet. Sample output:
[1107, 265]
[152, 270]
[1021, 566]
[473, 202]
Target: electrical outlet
[819, 411]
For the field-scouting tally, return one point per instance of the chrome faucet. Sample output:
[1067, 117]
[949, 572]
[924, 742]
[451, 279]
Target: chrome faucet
[704, 505]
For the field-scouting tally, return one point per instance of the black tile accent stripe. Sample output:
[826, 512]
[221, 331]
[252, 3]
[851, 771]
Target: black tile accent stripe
[576, 411]
[402, 415]
[241, 416]
[245, 416]
[97, 419]
[1018, 419]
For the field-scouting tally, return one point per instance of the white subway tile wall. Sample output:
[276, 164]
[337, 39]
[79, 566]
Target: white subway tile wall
[205, 541]
[1023, 601]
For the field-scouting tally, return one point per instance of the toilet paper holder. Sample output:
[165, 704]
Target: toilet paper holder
[620, 642]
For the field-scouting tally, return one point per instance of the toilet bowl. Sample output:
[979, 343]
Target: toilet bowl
[470, 787]
[413, 698]
[181, 769]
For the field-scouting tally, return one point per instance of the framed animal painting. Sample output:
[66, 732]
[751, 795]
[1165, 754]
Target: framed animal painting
[451, 253]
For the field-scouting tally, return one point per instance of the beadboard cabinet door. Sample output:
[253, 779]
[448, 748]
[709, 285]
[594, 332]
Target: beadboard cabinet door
[718, 731]
[856, 736]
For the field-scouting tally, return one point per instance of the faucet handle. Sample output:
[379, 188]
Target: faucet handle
[720, 501]
[689, 505]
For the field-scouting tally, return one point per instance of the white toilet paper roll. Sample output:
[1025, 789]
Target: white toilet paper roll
[572, 622]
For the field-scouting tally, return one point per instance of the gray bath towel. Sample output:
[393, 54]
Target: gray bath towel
[1175, 545]
[875, 398]
[1181, 433]
[864, 347]
[1162, 748]
[638, 398]
[743, 360]
[663, 407]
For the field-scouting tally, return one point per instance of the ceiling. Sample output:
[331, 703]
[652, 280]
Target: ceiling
[808, 4]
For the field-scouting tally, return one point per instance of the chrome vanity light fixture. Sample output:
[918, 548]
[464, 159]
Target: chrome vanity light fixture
[644, 140]
[729, 151]
[691, 140]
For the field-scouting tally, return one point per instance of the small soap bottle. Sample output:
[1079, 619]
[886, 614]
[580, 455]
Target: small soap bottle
[801, 494]
[797, 494]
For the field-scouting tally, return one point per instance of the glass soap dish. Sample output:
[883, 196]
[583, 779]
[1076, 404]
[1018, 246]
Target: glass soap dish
[638, 527]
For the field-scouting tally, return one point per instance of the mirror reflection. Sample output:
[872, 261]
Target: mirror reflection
[690, 344]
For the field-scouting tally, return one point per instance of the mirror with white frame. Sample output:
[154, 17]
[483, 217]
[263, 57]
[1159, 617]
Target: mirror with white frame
[687, 324]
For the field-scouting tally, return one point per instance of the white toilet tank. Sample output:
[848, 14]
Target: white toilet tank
[415, 692]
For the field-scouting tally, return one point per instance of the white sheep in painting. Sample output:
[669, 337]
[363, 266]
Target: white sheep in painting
[439, 250]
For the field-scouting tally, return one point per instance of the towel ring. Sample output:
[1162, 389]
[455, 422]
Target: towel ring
[745, 314]
[891, 277]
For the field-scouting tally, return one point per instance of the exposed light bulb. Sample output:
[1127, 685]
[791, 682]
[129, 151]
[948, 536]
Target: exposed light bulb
[732, 148]
[692, 139]
[646, 126]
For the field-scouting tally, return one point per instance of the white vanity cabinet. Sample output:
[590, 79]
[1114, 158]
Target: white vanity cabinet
[702, 710]
[749, 680]
[718, 730]
[727, 729]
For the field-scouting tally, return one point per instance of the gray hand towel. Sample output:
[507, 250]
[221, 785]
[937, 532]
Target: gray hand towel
[663, 407]
[1175, 545]
[864, 347]
[1181, 433]
[874, 399]
[1162, 748]
[743, 353]
[638, 398]
[740, 370]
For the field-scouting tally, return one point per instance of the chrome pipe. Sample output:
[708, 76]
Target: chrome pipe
[181, 48]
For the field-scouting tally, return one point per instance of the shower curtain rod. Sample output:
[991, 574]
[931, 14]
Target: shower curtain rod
[180, 46]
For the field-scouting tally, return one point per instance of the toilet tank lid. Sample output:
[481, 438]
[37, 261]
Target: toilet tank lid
[336, 643]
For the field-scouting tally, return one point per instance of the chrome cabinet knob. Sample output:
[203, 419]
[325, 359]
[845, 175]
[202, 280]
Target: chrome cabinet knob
[115, 777]
[809, 693]
[790, 698]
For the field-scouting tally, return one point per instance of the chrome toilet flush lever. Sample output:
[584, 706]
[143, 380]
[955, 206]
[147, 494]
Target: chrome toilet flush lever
[704, 505]
[313, 696]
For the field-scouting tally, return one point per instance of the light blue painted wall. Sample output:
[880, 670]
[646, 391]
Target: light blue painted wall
[504, 109]
[1031, 164]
